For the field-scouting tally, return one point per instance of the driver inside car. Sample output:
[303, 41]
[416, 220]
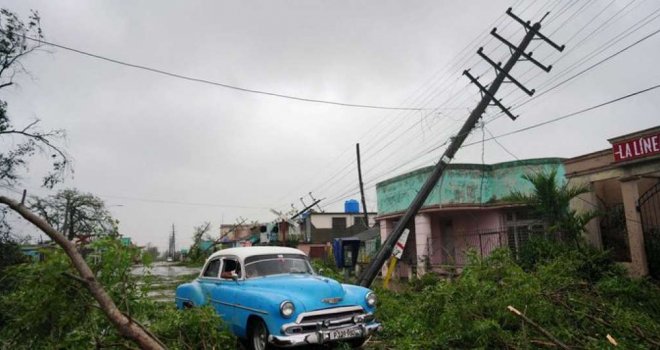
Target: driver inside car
[229, 270]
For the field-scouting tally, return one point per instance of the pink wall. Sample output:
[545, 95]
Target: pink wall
[465, 228]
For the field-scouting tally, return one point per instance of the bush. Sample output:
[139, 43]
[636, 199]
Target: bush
[49, 310]
[578, 296]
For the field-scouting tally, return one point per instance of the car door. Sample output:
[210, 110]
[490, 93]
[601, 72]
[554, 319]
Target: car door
[221, 289]
[209, 278]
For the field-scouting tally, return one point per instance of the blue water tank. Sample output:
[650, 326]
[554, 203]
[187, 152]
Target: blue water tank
[351, 206]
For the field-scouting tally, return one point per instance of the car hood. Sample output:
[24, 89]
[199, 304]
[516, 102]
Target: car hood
[312, 291]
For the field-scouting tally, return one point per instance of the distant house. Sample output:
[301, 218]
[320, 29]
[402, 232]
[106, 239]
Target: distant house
[36, 251]
[236, 232]
[206, 246]
[126, 241]
[319, 229]
[464, 211]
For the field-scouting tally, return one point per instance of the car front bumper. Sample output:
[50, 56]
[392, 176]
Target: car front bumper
[319, 337]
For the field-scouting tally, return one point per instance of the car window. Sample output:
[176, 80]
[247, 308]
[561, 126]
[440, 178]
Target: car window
[273, 264]
[212, 269]
[229, 267]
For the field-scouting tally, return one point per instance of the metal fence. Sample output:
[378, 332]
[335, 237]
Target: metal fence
[483, 242]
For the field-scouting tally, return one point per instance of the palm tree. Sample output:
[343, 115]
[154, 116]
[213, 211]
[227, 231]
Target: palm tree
[550, 200]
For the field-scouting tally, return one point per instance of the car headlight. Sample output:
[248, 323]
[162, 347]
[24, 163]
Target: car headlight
[371, 299]
[287, 309]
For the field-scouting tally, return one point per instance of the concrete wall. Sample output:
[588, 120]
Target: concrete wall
[450, 247]
[463, 184]
[324, 220]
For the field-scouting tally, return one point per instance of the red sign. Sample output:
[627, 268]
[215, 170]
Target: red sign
[644, 146]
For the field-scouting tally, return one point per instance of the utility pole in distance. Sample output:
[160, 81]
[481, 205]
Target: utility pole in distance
[488, 96]
[364, 202]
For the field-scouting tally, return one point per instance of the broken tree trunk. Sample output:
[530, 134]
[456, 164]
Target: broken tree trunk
[124, 325]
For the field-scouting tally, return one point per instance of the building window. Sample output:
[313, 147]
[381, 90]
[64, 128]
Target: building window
[338, 223]
[521, 225]
[358, 220]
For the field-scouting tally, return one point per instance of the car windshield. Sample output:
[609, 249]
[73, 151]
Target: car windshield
[273, 264]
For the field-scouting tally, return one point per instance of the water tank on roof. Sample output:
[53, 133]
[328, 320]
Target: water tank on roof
[351, 206]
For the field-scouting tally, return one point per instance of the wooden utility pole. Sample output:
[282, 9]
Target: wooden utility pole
[488, 96]
[364, 202]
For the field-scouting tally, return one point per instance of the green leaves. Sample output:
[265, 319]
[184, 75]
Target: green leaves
[550, 201]
[578, 296]
[47, 309]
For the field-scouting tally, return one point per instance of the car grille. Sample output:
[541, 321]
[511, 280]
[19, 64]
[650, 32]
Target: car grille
[332, 316]
[326, 319]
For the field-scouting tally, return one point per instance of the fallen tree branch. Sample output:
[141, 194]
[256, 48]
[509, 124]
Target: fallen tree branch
[543, 331]
[82, 281]
[124, 325]
[638, 332]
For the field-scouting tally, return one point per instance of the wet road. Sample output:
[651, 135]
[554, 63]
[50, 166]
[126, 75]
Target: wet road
[165, 270]
[165, 278]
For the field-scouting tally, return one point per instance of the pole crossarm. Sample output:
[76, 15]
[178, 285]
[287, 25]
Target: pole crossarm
[530, 28]
[485, 92]
[528, 57]
[498, 68]
[488, 95]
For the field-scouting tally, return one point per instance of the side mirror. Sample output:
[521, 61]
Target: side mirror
[321, 271]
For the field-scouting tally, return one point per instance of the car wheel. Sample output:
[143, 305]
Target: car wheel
[258, 336]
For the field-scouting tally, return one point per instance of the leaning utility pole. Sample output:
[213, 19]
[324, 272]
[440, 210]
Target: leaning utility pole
[364, 203]
[488, 96]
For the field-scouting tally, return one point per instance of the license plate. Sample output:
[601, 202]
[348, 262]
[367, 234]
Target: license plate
[345, 333]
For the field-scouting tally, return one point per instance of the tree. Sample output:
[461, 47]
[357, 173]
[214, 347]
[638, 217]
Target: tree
[200, 233]
[21, 143]
[550, 200]
[75, 213]
[16, 41]
[126, 326]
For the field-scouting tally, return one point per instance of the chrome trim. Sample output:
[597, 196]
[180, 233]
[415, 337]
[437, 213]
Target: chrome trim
[282, 304]
[318, 337]
[328, 312]
[366, 299]
[331, 300]
[240, 306]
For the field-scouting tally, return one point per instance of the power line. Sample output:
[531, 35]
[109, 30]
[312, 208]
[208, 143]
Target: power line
[152, 200]
[618, 99]
[583, 71]
[214, 83]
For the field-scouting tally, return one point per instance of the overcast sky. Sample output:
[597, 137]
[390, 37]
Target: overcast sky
[163, 151]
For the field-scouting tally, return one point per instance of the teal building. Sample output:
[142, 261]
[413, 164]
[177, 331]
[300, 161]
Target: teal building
[465, 210]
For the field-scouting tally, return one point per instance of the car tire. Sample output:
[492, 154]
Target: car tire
[258, 336]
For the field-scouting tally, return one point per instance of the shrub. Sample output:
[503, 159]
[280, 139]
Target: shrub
[578, 296]
[50, 310]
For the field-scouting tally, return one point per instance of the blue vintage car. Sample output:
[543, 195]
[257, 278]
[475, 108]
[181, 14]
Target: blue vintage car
[271, 296]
